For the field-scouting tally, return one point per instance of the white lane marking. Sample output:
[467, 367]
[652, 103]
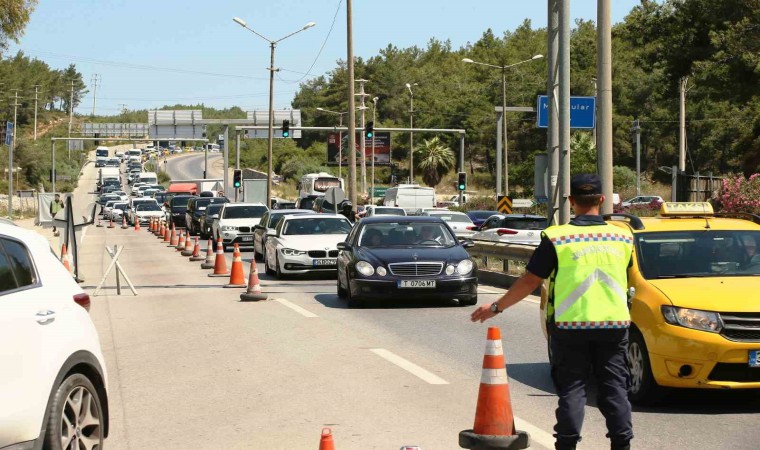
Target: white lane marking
[530, 298]
[295, 308]
[536, 434]
[409, 366]
[489, 291]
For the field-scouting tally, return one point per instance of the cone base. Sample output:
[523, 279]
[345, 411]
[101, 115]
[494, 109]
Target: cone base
[186, 253]
[220, 275]
[468, 439]
[207, 265]
[246, 297]
[110, 226]
[99, 225]
[198, 258]
[235, 285]
[124, 228]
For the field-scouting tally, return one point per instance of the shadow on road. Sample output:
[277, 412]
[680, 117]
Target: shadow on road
[535, 375]
[333, 301]
[705, 402]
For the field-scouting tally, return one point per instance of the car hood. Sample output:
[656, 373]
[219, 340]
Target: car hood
[726, 294]
[149, 213]
[312, 241]
[247, 222]
[406, 254]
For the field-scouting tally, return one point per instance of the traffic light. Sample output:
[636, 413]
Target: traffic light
[462, 185]
[237, 178]
[285, 128]
[369, 130]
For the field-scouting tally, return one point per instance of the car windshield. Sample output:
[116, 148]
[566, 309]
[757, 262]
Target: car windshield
[481, 214]
[244, 212]
[213, 209]
[453, 217]
[698, 253]
[147, 207]
[273, 218]
[406, 234]
[525, 223]
[306, 203]
[120, 206]
[180, 202]
[390, 211]
[317, 225]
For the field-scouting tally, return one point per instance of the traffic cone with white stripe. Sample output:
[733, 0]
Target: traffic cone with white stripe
[196, 256]
[174, 239]
[253, 293]
[181, 242]
[100, 223]
[220, 263]
[110, 223]
[65, 258]
[167, 234]
[152, 227]
[326, 441]
[124, 222]
[494, 420]
[160, 231]
[209, 263]
[237, 277]
[188, 250]
[137, 223]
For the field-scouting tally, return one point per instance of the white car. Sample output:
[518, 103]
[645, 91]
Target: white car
[108, 207]
[133, 206]
[122, 195]
[144, 212]
[49, 351]
[460, 223]
[512, 229]
[136, 187]
[305, 243]
[236, 222]
[643, 200]
[372, 210]
[117, 211]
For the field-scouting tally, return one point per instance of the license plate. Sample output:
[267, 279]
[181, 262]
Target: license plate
[754, 358]
[324, 262]
[424, 284]
[246, 238]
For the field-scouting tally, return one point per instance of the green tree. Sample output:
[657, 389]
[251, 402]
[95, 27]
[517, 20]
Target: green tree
[434, 160]
[14, 15]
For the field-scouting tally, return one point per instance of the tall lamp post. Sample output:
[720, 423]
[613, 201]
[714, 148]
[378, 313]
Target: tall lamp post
[272, 70]
[411, 133]
[374, 117]
[503, 114]
[340, 136]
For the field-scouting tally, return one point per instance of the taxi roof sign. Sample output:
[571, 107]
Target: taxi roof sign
[686, 209]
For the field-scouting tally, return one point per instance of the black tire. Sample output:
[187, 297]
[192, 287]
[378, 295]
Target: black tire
[191, 230]
[644, 389]
[277, 270]
[341, 292]
[268, 270]
[471, 301]
[353, 300]
[256, 255]
[91, 425]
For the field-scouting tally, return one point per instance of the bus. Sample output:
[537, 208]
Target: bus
[101, 152]
[315, 184]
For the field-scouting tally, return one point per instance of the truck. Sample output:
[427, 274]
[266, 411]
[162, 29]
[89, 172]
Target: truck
[214, 185]
[105, 173]
[411, 197]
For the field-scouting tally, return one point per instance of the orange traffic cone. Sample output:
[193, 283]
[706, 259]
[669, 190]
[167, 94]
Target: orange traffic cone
[326, 441]
[161, 230]
[100, 222]
[253, 293]
[124, 222]
[494, 419]
[188, 250]
[174, 241]
[181, 242]
[65, 258]
[237, 277]
[110, 223]
[220, 264]
[196, 256]
[152, 226]
[209, 263]
[167, 234]
[137, 223]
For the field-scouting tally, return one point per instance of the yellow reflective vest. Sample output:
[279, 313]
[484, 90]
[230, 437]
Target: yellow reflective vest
[588, 287]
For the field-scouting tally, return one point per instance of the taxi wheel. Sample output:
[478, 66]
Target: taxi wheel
[644, 389]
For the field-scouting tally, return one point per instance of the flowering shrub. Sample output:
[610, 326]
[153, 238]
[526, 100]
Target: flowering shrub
[650, 209]
[739, 194]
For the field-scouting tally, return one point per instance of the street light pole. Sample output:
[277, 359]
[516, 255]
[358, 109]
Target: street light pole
[374, 116]
[411, 133]
[272, 70]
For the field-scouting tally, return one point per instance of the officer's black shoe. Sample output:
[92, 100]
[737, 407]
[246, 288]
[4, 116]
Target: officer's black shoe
[620, 446]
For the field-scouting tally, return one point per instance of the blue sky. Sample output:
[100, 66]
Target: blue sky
[151, 53]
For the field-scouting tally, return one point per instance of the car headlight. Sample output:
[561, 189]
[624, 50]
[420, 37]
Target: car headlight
[381, 271]
[693, 318]
[450, 270]
[365, 268]
[292, 252]
[228, 228]
[464, 267]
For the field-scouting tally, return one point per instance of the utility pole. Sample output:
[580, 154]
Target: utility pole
[504, 128]
[351, 106]
[637, 132]
[374, 117]
[71, 106]
[10, 153]
[564, 111]
[237, 160]
[552, 131]
[604, 78]
[682, 124]
[411, 133]
[362, 138]
[36, 90]
[95, 79]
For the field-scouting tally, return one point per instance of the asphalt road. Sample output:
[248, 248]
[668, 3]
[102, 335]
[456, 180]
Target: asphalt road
[190, 166]
[192, 367]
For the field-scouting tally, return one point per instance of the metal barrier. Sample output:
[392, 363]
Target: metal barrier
[503, 252]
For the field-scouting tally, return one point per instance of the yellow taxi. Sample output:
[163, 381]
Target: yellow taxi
[694, 289]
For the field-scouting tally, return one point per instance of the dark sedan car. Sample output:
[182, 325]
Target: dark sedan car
[207, 219]
[195, 209]
[177, 209]
[393, 257]
[480, 216]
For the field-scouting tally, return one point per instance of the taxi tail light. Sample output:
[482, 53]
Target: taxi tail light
[472, 227]
[505, 231]
[83, 300]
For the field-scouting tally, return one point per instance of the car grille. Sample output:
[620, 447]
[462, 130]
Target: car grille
[318, 253]
[244, 229]
[333, 254]
[734, 372]
[742, 327]
[416, 269]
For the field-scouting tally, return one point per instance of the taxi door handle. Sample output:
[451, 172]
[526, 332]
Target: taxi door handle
[45, 317]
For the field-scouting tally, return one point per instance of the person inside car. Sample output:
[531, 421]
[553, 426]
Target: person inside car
[428, 234]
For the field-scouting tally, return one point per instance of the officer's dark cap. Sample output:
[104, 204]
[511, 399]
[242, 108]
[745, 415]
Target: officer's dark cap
[586, 184]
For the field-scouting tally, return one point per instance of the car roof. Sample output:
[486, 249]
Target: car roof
[26, 236]
[654, 224]
[230, 205]
[281, 212]
[311, 216]
[519, 216]
[384, 219]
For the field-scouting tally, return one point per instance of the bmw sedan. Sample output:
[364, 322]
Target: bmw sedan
[392, 257]
[268, 222]
[305, 243]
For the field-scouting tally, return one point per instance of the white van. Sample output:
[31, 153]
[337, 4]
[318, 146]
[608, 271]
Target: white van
[411, 197]
[148, 177]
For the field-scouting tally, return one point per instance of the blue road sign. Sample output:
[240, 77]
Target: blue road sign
[582, 112]
[8, 133]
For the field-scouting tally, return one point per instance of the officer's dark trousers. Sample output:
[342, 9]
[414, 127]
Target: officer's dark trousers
[575, 354]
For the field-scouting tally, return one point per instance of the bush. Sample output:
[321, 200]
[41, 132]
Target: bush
[739, 194]
[622, 178]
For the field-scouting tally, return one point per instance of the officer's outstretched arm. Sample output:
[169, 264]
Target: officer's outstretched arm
[523, 287]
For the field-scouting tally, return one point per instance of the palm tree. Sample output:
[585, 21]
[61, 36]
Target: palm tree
[434, 160]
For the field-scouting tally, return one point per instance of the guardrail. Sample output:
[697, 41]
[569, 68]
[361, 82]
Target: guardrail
[505, 253]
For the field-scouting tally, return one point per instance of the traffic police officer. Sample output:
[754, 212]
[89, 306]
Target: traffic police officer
[586, 262]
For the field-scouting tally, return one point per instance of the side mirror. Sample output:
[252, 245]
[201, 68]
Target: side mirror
[214, 216]
[344, 246]
[466, 243]
[271, 233]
